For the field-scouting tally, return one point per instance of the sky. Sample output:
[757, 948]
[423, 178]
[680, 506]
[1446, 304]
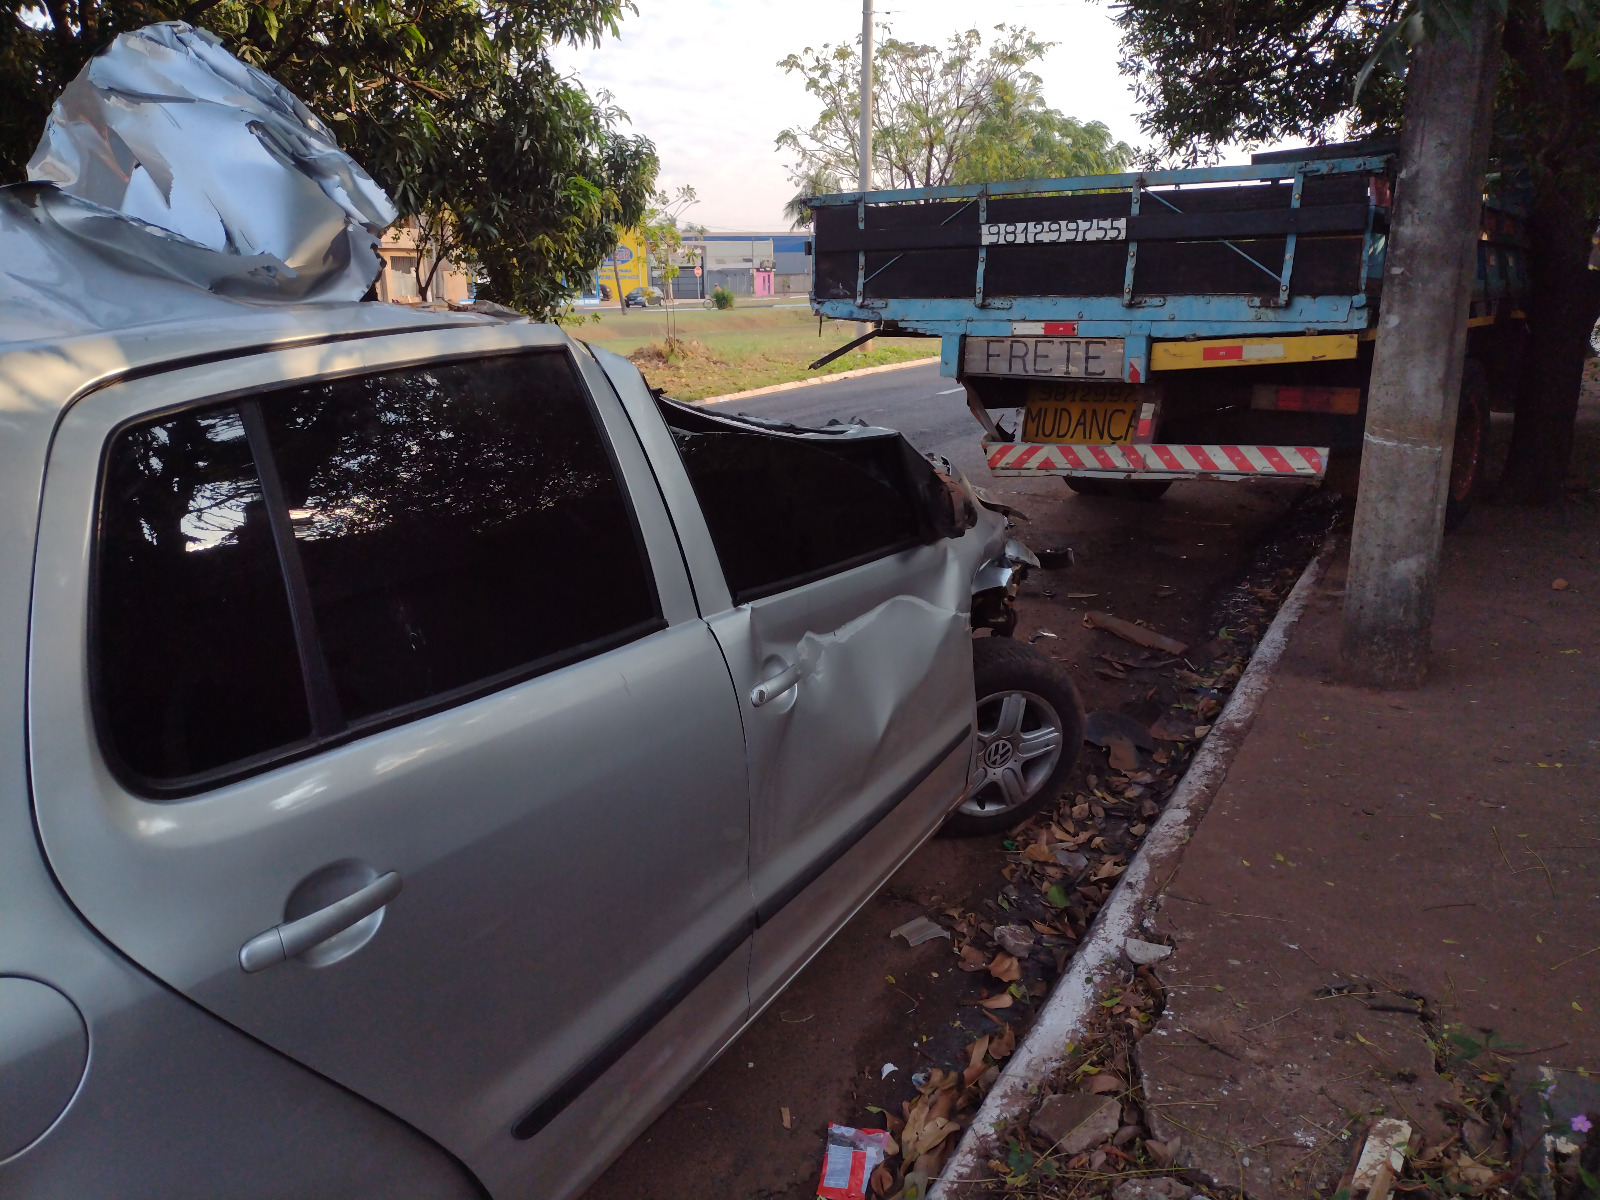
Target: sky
[699, 78]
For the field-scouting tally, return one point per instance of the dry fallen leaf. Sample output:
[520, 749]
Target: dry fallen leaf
[787, 1123]
[975, 1064]
[1559, 585]
[1003, 1043]
[1105, 1081]
[972, 959]
[1005, 968]
[1003, 1000]
[1038, 853]
[882, 1180]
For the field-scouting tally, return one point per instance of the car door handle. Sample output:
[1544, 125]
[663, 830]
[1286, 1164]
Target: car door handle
[294, 938]
[771, 689]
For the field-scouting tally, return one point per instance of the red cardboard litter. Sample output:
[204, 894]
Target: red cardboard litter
[852, 1155]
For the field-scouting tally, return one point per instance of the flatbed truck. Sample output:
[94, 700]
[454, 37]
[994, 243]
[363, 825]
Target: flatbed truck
[1208, 323]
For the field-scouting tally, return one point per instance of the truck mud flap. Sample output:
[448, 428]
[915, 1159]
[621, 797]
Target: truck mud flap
[1157, 461]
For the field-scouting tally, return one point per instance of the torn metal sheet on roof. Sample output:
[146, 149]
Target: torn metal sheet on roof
[171, 179]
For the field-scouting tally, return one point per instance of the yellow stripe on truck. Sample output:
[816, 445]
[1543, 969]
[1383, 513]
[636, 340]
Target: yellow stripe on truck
[1235, 352]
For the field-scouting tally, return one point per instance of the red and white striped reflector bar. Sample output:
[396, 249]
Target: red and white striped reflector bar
[1157, 461]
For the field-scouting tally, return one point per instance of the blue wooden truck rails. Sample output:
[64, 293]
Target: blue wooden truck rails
[1204, 323]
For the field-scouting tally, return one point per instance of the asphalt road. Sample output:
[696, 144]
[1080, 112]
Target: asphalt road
[753, 1126]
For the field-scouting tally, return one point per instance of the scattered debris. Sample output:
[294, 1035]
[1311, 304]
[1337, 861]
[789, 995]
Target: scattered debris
[852, 1158]
[1384, 1154]
[1164, 590]
[1075, 1121]
[1142, 952]
[1082, 595]
[1120, 735]
[1017, 940]
[788, 1122]
[1137, 634]
[1164, 1188]
[1056, 558]
[1559, 585]
[1072, 861]
[1173, 727]
[888, 1070]
[920, 930]
[1043, 633]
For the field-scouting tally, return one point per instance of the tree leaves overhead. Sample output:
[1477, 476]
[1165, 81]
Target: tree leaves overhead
[938, 114]
[1211, 72]
[452, 105]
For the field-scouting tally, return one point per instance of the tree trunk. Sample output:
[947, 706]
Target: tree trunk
[1417, 362]
[1562, 308]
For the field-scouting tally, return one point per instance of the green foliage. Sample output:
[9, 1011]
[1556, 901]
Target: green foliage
[1020, 138]
[454, 107]
[721, 297]
[1213, 72]
[966, 111]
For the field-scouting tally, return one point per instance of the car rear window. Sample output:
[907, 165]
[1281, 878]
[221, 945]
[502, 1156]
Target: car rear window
[316, 561]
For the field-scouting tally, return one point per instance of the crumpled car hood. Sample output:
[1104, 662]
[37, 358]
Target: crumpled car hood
[171, 179]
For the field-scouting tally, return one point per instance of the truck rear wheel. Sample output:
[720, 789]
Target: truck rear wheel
[1030, 727]
[1144, 490]
[1472, 429]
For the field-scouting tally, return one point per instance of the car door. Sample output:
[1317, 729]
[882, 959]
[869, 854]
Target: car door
[845, 627]
[395, 636]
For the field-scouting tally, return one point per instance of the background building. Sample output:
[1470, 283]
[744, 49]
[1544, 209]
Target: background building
[406, 269]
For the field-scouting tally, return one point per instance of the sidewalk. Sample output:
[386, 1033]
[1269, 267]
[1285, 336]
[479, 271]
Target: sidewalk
[1389, 881]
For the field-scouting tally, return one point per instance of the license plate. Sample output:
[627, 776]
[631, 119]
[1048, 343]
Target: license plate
[1045, 357]
[1083, 414]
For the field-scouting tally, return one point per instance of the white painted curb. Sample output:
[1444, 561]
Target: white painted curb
[800, 383]
[1064, 1016]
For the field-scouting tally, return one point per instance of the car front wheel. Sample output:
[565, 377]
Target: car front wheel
[1029, 729]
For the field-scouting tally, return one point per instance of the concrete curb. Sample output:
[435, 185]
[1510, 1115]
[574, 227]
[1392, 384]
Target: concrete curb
[800, 383]
[1065, 1014]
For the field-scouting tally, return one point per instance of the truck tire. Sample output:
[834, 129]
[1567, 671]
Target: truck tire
[1030, 728]
[1472, 430]
[1143, 490]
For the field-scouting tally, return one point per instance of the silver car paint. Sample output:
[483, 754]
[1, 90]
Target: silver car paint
[885, 706]
[540, 830]
[579, 1142]
[174, 1100]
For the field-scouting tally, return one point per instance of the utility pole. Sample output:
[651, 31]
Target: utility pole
[865, 140]
[1418, 358]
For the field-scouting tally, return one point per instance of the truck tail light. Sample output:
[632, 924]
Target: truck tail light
[1271, 397]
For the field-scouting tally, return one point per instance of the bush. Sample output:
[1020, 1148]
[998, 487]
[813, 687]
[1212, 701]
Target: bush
[721, 297]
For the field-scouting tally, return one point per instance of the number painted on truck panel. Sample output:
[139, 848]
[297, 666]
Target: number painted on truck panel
[1037, 233]
[1059, 358]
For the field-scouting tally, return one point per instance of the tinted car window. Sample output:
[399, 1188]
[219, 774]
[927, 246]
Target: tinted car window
[786, 509]
[457, 523]
[196, 662]
[283, 570]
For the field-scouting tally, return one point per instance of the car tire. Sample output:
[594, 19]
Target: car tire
[1472, 430]
[1143, 490]
[1021, 694]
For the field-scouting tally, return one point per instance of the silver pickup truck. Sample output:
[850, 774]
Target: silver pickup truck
[423, 749]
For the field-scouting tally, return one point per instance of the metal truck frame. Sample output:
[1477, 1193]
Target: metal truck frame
[1202, 323]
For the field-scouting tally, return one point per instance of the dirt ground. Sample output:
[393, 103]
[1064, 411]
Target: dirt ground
[1396, 893]
[867, 1000]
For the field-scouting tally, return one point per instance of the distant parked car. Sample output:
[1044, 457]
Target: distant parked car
[642, 297]
[422, 750]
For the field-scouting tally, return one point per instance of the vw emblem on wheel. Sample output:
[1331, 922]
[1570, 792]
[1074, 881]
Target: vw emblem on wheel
[997, 754]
